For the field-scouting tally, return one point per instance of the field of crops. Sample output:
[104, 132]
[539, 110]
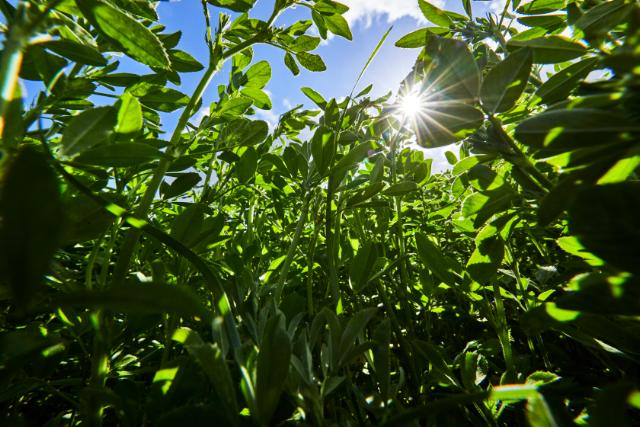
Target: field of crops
[225, 273]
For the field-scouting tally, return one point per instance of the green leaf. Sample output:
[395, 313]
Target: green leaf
[311, 61]
[401, 188]
[565, 130]
[505, 83]
[247, 165]
[31, 223]
[447, 122]
[434, 15]
[210, 358]
[273, 367]
[453, 74]
[322, 150]
[291, 64]
[416, 39]
[550, 49]
[549, 22]
[603, 17]
[487, 257]
[182, 184]
[431, 255]
[305, 43]
[315, 97]
[165, 99]
[362, 266]
[604, 218]
[235, 5]
[80, 53]
[338, 25]
[183, 62]
[487, 203]
[561, 84]
[139, 298]
[129, 118]
[354, 327]
[124, 154]
[258, 75]
[260, 99]
[536, 7]
[131, 36]
[87, 129]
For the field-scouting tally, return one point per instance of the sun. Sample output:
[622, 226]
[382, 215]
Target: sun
[412, 104]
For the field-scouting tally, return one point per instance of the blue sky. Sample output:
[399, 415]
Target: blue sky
[369, 20]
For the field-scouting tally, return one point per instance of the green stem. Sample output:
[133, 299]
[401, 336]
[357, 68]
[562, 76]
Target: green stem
[130, 243]
[284, 271]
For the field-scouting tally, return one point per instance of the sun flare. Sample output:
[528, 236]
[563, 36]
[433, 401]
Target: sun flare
[412, 104]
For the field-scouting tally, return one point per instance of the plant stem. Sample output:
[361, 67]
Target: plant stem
[133, 236]
[292, 247]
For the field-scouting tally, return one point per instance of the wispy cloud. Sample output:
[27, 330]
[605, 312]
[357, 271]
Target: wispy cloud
[366, 11]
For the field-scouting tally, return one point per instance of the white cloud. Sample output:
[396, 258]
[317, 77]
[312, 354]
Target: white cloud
[368, 10]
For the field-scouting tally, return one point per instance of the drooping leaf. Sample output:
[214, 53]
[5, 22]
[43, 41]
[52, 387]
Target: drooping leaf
[536, 7]
[338, 25]
[504, 84]
[432, 257]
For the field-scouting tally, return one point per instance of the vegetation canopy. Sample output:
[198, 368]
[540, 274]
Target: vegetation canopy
[317, 272]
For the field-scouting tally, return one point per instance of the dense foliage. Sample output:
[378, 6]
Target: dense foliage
[319, 273]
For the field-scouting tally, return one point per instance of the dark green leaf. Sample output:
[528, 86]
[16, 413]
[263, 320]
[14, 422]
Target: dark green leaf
[138, 298]
[235, 5]
[124, 154]
[603, 17]
[183, 62]
[561, 84]
[550, 49]
[536, 7]
[604, 218]
[247, 165]
[273, 367]
[87, 129]
[165, 99]
[504, 84]
[182, 184]
[447, 122]
[362, 266]
[77, 52]
[31, 223]
[291, 64]
[566, 130]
